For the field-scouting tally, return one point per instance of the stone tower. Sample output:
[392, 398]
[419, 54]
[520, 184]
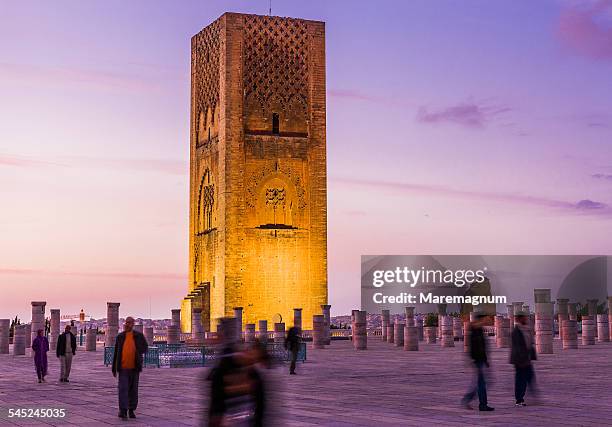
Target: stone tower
[258, 192]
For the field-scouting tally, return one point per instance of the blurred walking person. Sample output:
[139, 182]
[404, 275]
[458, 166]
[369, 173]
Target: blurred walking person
[478, 354]
[65, 351]
[522, 354]
[40, 346]
[130, 346]
[292, 343]
[238, 391]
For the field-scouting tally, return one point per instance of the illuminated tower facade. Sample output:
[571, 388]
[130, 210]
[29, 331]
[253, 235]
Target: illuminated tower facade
[258, 191]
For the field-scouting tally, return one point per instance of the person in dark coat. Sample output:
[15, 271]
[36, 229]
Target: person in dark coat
[130, 346]
[522, 353]
[40, 346]
[65, 351]
[478, 354]
[292, 343]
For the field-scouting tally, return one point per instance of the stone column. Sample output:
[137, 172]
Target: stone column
[279, 333]
[19, 340]
[541, 295]
[569, 334]
[112, 323]
[446, 332]
[390, 332]
[297, 318]
[562, 313]
[28, 333]
[411, 338]
[174, 334]
[238, 317]
[263, 331]
[571, 311]
[55, 329]
[149, 336]
[197, 328]
[516, 307]
[385, 324]
[318, 331]
[466, 334]
[592, 307]
[510, 309]
[5, 326]
[398, 332]
[504, 340]
[249, 333]
[603, 331]
[498, 331]
[90, 340]
[610, 316]
[176, 317]
[441, 312]
[410, 316]
[419, 326]
[457, 329]
[227, 330]
[325, 308]
[360, 334]
[588, 330]
[38, 319]
[543, 321]
[431, 334]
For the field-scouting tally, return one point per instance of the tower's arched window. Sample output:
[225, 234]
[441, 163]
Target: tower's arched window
[206, 203]
[275, 124]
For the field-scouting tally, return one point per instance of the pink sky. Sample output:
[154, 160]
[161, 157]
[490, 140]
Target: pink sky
[451, 129]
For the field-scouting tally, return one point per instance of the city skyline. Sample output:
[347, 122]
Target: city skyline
[449, 130]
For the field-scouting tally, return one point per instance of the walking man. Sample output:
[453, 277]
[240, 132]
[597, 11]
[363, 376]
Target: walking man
[521, 355]
[130, 346]
[292, 343]
[66, 349]
[478, 354]
[40, 346]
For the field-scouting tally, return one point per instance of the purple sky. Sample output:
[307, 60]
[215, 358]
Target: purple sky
[471, 127]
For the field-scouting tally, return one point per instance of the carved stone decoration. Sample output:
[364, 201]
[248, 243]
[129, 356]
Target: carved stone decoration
[275, 200]
[265, 173]
[206, 203]
[205, 73]
[276, 64]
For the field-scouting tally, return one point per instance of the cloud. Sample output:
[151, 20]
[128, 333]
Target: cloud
[590, 204]
[350, 94]
[51, 76]
[606, 176]
[597, 125]
[586, 28]
[469, 114]
[166, 166]
[25, 162]
[116, 275]
[582, 206]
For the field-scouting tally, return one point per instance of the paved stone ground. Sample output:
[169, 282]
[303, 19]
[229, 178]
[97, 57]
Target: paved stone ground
[383, 386]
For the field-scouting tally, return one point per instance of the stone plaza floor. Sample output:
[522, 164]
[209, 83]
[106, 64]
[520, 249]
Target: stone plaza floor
[337, 386]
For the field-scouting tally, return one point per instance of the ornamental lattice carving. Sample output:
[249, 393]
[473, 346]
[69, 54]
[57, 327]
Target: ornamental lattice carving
[205, 62]
[261, 175]
[275, 61]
